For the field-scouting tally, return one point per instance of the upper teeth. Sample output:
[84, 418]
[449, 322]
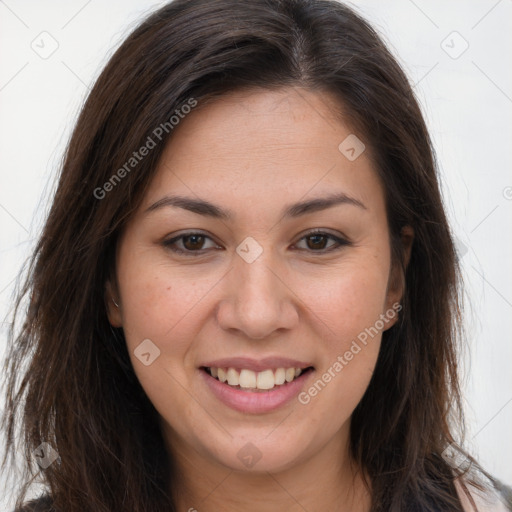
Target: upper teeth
[248, 379]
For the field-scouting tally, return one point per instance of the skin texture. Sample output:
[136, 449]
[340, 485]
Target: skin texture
[255, 152]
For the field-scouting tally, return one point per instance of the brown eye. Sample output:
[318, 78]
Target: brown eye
[317, 242]
[193, 242]
[190, 243]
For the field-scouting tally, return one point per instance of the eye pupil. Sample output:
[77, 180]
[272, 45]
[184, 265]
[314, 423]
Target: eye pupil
[317, 239]
[197, 241]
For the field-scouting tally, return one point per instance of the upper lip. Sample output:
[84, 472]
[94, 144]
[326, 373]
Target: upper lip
[256, 365]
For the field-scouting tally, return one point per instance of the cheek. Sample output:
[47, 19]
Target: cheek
[166, 309]
[346, 299]
[349, 310]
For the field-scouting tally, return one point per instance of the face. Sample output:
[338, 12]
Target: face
[260, 255]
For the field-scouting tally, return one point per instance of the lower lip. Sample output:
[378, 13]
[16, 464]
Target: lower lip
[255, 402]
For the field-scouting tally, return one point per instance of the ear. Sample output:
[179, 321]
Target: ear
[396, 283]
[111, 299]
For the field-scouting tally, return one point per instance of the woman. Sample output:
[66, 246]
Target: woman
[246, 294]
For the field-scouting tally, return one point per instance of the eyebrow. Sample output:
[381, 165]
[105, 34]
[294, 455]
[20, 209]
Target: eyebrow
[208, 209]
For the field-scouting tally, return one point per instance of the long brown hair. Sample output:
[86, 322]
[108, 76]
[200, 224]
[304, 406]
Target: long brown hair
[69, 379]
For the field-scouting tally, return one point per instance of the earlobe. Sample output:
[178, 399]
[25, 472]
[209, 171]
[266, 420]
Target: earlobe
[113, 305]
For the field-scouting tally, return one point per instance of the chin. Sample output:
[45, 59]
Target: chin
[266, 452]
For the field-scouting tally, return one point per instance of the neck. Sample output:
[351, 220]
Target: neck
[328, 480]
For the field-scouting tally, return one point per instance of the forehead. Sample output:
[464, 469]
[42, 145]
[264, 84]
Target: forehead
[265, 146]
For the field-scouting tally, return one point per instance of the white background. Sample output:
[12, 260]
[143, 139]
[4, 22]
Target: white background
[467, 102]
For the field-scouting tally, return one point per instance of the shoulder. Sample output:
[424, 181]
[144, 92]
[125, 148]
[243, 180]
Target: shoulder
[43, 504]
[475, 499]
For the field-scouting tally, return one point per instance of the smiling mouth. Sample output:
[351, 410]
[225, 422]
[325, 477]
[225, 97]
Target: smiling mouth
[249, 380]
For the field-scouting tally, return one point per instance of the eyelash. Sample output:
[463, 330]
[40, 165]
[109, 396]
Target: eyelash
[340, 243]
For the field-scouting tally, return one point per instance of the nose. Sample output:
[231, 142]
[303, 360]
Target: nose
[258, 300]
